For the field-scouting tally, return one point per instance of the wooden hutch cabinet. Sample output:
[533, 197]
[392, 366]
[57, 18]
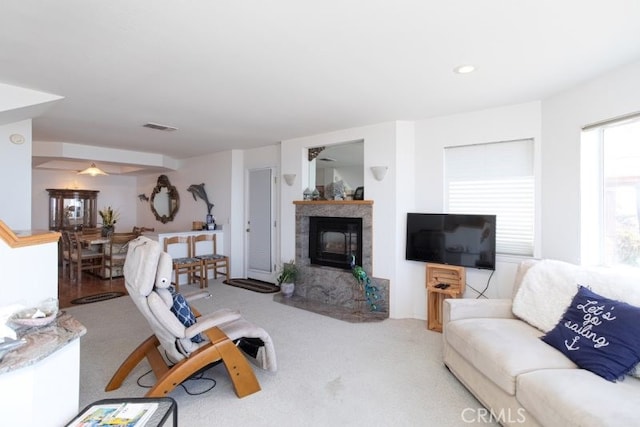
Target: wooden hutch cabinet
[72, 209]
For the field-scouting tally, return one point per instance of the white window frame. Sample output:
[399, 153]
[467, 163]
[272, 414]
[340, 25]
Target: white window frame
[592, 194]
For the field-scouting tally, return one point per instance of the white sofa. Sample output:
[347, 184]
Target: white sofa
[522, 380]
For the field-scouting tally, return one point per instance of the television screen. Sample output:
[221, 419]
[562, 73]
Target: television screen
[456, 239]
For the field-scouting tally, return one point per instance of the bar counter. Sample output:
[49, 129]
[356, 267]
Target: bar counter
[42, 341]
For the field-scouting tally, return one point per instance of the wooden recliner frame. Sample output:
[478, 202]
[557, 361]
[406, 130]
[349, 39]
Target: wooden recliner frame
[169, 377]
[147, 272]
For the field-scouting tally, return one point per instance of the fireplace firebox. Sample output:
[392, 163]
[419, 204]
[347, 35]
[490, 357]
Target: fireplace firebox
[334, 240]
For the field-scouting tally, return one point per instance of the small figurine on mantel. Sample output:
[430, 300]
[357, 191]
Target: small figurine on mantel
[336, 190]
[307, 194]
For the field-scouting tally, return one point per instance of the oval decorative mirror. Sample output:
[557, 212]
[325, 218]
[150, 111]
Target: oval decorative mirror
[165, 200]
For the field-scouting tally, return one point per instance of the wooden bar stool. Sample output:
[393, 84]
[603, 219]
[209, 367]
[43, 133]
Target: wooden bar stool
[188, 265]
[210, 257]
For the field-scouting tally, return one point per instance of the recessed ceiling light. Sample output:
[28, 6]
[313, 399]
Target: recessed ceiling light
[464, 69]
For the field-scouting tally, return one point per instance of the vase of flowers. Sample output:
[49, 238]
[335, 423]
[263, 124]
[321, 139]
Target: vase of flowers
[109, 219]
[287, 277]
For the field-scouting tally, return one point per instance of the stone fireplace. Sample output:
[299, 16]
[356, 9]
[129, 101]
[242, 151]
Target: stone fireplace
[334, 241]
[328, 287]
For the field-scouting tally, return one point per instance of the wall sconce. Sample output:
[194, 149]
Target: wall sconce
[289, 178]
[379, 172]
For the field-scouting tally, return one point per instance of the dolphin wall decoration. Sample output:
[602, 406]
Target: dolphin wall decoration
[197, 190]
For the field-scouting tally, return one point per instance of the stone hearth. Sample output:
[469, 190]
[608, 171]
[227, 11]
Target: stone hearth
[333, 291]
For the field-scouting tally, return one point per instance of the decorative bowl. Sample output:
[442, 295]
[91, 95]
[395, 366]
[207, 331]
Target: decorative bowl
[25, 317]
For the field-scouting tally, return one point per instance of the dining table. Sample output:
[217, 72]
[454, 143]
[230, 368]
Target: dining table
[93, 239]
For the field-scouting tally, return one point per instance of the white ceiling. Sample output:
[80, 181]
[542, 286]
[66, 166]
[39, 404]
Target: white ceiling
[242, 74]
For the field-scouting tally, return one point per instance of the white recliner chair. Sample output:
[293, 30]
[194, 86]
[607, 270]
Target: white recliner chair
[214, 337]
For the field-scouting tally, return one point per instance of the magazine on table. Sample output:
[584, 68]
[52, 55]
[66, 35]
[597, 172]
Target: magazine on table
[116, 415]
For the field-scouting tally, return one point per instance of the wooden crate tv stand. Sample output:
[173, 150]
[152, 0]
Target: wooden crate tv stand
[453, 276]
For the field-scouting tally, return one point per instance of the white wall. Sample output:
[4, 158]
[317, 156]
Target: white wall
[407, 290]
[382, 142]
[236, 228]
[25, 394]
[554, 124]
[23, 282]
[15, 209]
[563, 115]
[492, 125]
[215, 172]
[413, 151]
[223, 178]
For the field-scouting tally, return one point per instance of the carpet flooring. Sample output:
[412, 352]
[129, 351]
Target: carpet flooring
[97, 297]
[330, 372]
[253, 285]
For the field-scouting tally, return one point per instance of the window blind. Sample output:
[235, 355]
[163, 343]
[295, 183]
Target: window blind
[495, 178]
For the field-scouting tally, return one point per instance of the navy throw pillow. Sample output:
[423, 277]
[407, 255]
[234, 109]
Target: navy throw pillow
[599, 334]
[184, 314]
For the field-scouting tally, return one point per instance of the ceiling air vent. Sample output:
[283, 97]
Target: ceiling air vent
[157, 126]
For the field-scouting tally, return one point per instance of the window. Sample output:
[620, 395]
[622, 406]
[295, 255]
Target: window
[610, 193]
[495, 178]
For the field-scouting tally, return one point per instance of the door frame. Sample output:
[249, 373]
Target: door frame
[270, 276]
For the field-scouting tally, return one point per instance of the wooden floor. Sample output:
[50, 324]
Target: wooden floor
[89, 285]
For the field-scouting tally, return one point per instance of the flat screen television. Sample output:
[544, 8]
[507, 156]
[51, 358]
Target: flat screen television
[455, 239]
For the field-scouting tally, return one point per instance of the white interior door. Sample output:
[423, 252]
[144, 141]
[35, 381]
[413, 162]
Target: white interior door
[260, 225]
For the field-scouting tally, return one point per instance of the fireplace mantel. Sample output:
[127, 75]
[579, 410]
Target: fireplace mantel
[333, 202]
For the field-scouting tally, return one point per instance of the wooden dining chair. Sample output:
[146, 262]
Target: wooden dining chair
[65, 254]
[188, 264]
[83, 258]
[115, 252]
[208, 254]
